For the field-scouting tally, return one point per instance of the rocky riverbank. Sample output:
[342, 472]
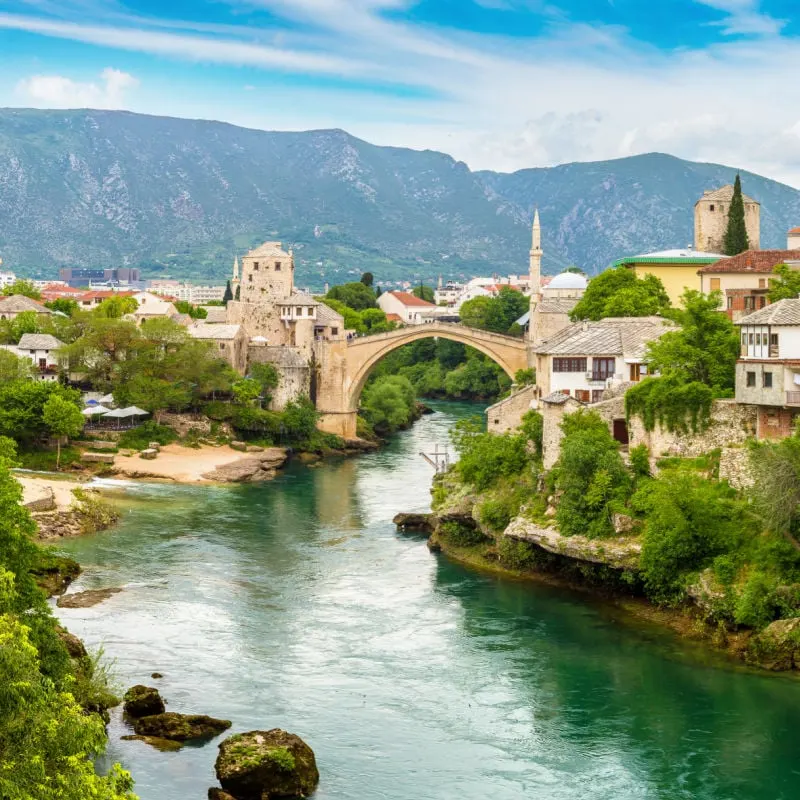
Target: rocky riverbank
[606, 569]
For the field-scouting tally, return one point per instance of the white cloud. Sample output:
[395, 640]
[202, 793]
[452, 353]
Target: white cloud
[57, 91]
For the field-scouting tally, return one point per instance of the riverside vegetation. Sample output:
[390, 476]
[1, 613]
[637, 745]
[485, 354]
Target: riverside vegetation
[667, 530]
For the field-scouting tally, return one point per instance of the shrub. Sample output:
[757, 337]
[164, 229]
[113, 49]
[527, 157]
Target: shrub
[532, 428]
[640, 461]
[515, 553]
[486, 458]
[96, 514]
[95, 687]
[461, 535]
[670, 402]
[139, 438]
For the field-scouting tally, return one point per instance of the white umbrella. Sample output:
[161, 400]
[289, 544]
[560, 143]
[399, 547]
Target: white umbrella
[92, 411]
[136, 411]
[108, 398]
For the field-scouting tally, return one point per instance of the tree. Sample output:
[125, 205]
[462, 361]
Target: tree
[388, 403]
[26, 322]
[65, 305]
[423, 293]
[156, 395]
[23, 287]
[494, 313]
[786, 286]
[736, 240]
[267, 378]
[185, 307]
[352, 318]
[102, 349]
[116, 307]
[13, 368]
[22, 407]
[62, 418]
[367, 279]
[617, 292]
[246, 391]
[228, 296]
[705, 348]
[475, 313]
[354, 295]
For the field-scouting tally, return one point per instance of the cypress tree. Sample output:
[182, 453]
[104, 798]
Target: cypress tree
[228, 294]
[736, 240]
[238, 291]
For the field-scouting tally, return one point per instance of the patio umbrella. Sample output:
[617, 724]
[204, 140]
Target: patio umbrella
[108, 398]
[93, 411]
[136, 411]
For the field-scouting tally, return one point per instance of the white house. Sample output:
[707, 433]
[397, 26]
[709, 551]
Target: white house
[409, 308]
[150, 305]
[585, 358]
[41, 349]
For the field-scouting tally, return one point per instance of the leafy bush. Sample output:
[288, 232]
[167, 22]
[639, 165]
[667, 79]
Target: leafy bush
[485, 458]
[670, 402]
[389, 403]
[516, 554]
[44, 460]
[96, 513]
[461, 535]
[139, 438]
[532, 429]
[640, 461]
[591, 476]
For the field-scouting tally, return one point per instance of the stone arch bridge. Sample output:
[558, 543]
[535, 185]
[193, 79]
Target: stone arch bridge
[344, 366]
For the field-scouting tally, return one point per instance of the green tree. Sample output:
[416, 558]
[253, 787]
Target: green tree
[26, 322]
[352, 318]
[246, 391]
[195, 312]
[736, 240]
[354, 295]
[65, 305]
[267, 377]
[23, 287]
[776, 488]
[591, 476]
[423, 293]
[62, 418]
[368, 279]
[103, 349]
[486, 458]
[116, 307]
[786, 286]
[494, 313]
[13, 368]
[388, 403]
[704, 349]
[228, 296]
[22, 408]
[156, 395]
[617, 292]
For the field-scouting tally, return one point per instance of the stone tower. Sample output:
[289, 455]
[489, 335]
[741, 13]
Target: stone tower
[536, 256]
[235, 278]
[267, 274]
[711, 220]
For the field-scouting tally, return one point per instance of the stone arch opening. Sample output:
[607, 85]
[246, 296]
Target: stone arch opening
[364, 370]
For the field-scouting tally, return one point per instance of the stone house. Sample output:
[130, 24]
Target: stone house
[768, 370]
[408, 307]
[14, 305]
[230, 342]
[42, 350]
[744, 279]
[586, 358]
[92, 299]
[151, 306]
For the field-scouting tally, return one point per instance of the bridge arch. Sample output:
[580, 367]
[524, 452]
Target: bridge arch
[345, 366]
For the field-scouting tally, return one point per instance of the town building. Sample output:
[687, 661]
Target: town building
[77, 276]
[55, 291]
[711, 214]
[41, 349]
[14, 305]
[91, 299]
[676, 269]
[6, 278]
[196, 295]
[768, 370]
[586, 358]
[150, 306]
[448, 293]
[744, 279]
[408, 307]
[230, 342]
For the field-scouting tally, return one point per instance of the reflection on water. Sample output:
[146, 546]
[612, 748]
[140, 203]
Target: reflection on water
[296, 604]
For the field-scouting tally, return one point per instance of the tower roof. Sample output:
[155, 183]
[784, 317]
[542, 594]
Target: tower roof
[724, 195]
[268, 250]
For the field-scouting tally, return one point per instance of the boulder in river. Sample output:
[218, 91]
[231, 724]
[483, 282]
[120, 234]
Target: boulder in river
[251, 469]
[262, 765]
[143, 701]
[164, 745]
[180, 727]
[423, 523]
[74, 645]
[215, 793]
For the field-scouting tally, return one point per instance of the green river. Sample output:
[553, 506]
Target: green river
[296, 604]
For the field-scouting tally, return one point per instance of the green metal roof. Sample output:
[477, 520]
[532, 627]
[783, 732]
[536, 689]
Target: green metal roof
[698, 260]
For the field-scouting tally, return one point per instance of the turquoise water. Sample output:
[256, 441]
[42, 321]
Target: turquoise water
[296, 604]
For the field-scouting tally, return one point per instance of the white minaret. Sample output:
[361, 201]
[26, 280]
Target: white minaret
[236, 269]
[536, 256]
[535, 273]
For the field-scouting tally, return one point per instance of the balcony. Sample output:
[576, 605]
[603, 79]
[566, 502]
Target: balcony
[793, 398]
[596, 377]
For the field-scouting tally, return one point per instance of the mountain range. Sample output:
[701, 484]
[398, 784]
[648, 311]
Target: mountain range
[181, 197]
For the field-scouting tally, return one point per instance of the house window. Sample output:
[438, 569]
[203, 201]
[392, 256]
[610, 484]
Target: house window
[569, 365]
[334, 331]
[255, 266]
[730, 303]
[584, 395]
[751, 379]
[767, 380]
[597, 395]
[636, 373]
[222, 345]
[277, 266]
[762, 283]
[711, 207]
[250, 277]
[758, 340]
[773, 343]
[714, 284]
[749, 303]
[750, 339]
[603, 368]
[744, 340]
[762, 301]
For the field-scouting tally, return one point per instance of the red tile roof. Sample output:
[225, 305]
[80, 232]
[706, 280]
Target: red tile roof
[104, 295]
[57, 287]
[393, 318]
[752, 261]
[795, 230]
[408, 299]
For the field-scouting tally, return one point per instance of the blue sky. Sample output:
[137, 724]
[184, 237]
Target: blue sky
[500, 84]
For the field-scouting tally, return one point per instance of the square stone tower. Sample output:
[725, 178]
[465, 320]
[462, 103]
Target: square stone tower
[711, 220]
[267, 274]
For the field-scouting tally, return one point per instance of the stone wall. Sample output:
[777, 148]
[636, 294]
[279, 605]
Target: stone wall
[734, 467]
[731, 424]
[507, 414]
[293, 369]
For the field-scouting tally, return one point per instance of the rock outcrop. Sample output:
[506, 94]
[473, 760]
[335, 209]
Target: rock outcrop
[180, 727]
[75, 646]
[424, 523]
[143, 701]
[619, 553]
[777, 647]
[85, 599]
[252, 469]
[262, 765]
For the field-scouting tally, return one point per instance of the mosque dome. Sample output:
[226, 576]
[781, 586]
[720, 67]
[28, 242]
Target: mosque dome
[568, 280]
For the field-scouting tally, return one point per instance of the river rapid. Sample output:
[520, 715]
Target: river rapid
[296, 604]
